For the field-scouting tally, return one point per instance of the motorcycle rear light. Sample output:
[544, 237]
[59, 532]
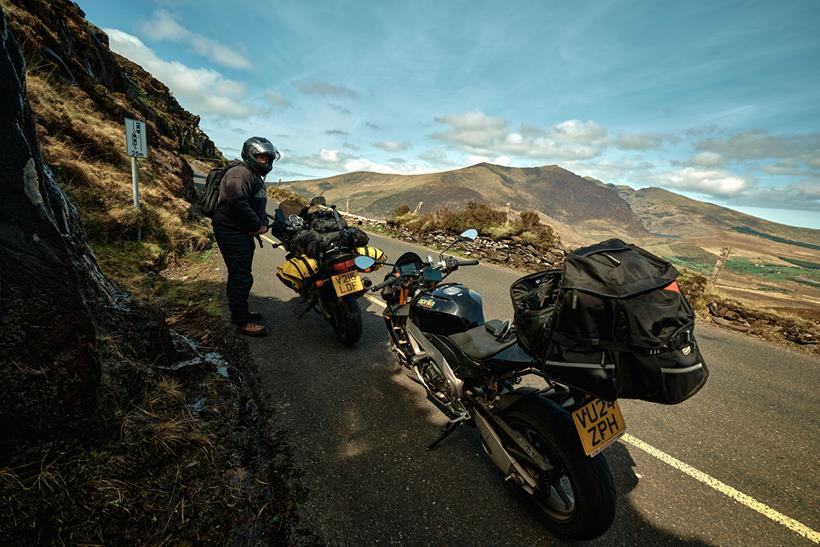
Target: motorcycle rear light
[319, 283]
[344, 266]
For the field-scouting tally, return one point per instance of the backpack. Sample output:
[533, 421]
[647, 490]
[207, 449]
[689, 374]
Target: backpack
[209, 197]
[613, 323]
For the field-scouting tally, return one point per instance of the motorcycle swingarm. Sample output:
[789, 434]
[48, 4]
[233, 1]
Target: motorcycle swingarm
[521, 444]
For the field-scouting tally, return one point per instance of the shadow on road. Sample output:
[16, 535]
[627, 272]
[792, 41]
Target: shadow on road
[358, 431]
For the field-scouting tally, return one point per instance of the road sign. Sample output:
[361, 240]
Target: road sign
[135, 138]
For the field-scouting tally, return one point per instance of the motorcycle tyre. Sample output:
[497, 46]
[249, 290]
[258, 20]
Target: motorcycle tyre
[347, 321]
[590, 478]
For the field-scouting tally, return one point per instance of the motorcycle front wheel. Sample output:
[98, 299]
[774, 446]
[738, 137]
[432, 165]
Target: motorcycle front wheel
[577, 498]
[347, 321]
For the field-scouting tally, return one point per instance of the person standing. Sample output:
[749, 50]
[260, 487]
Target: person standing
[239, 217]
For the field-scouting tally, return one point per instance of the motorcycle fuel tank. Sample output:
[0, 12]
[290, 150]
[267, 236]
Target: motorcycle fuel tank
[448, 309]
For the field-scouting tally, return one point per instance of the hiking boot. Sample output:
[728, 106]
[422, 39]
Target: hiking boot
[252, 329]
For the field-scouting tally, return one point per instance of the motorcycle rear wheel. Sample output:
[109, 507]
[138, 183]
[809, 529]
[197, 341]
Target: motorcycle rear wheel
[347, 321]
[587, 507]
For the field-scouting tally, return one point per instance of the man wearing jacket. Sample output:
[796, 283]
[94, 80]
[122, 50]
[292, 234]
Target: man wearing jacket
[240, 216]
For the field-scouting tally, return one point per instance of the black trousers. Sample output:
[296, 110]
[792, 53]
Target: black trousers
[237, 251]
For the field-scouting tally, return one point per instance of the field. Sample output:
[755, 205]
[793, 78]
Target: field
[760, 272]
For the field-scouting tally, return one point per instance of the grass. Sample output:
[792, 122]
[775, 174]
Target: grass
[771, 272]
[750, 231]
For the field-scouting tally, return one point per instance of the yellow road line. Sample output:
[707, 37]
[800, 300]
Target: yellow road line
[725, 489]
[269, 240]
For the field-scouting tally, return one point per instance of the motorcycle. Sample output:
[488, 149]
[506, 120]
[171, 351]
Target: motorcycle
[472, 371]
[331, 284]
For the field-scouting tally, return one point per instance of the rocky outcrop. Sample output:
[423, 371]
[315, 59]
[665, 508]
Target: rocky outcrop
[55, 301]
[510, 253]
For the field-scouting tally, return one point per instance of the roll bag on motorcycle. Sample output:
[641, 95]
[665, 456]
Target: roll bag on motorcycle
[612, 322]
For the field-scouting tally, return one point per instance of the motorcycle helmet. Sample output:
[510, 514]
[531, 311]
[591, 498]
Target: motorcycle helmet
[256, 146]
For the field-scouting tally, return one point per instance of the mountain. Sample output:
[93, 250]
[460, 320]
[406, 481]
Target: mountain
[580, 209]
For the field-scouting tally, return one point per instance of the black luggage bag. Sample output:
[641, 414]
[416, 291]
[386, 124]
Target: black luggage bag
[614, 323]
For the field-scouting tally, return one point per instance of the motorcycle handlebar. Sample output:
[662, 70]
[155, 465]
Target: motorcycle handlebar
[383, 284]
[472, 262]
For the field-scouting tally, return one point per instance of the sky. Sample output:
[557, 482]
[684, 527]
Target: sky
[719, 101]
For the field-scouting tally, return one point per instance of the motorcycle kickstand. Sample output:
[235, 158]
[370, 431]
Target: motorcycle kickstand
[311, 305]
[449, 428]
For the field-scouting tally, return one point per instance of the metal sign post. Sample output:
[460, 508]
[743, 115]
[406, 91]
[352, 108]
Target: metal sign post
[136, 143]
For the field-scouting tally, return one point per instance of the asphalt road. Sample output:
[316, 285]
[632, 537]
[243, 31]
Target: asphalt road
[358, 431]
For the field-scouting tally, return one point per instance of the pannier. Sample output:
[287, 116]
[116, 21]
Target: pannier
[612, 322]
[296, 271]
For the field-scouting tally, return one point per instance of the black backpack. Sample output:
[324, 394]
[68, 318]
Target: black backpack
[209, 197]
[614, 323]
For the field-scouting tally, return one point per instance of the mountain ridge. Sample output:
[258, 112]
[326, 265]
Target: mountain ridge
[583, 208]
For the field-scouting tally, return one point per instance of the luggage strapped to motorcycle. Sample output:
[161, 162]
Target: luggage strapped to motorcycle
[613, 322]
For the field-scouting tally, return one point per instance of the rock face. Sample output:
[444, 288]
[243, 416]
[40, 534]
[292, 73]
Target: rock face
[49, 366]
[53, 297]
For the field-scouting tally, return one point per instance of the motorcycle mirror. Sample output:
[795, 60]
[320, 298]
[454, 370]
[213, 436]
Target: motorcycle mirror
[363, 262]
[469, 235]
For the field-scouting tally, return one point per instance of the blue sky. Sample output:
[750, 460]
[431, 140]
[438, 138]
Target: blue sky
[716, 100]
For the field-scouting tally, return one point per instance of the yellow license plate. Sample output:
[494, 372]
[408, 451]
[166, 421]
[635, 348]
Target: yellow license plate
[598, 423]
[346, 283]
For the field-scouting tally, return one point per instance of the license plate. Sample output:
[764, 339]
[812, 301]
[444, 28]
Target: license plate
[598, 423]
[346, 283]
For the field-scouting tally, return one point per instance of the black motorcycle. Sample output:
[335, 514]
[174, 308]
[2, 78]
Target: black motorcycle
[330, 283]
[471, 370]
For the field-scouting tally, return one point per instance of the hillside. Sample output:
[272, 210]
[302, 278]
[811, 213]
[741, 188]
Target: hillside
[665, 212]
[80, 92]
[107, 437]
[572, 204]
[771, 263]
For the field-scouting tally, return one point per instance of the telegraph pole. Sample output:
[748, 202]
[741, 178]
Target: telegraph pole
[721, 261]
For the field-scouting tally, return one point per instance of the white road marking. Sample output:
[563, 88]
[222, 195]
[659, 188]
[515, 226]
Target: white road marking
[375, 300]
[725, 489]
[706, 479]
[269, 240]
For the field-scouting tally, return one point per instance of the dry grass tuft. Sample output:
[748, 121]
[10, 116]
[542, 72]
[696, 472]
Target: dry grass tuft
[489, 223]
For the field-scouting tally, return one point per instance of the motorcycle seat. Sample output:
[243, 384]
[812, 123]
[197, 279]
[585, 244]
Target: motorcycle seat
[479, 343]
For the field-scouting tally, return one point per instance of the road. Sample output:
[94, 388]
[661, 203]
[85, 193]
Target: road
[358, 430]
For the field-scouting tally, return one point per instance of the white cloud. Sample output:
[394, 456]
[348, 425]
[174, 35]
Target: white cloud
[707, 159]
[330, 156]
[325, 89]
[643, 141]
[471, 130]
[338, 161]
[392, 146]
[498, 160]
[803, 195]
[277, 99]
[437, 158]
[758, 145]
[482, 135]
[202, 90]
[713, 182]
[163, 26]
